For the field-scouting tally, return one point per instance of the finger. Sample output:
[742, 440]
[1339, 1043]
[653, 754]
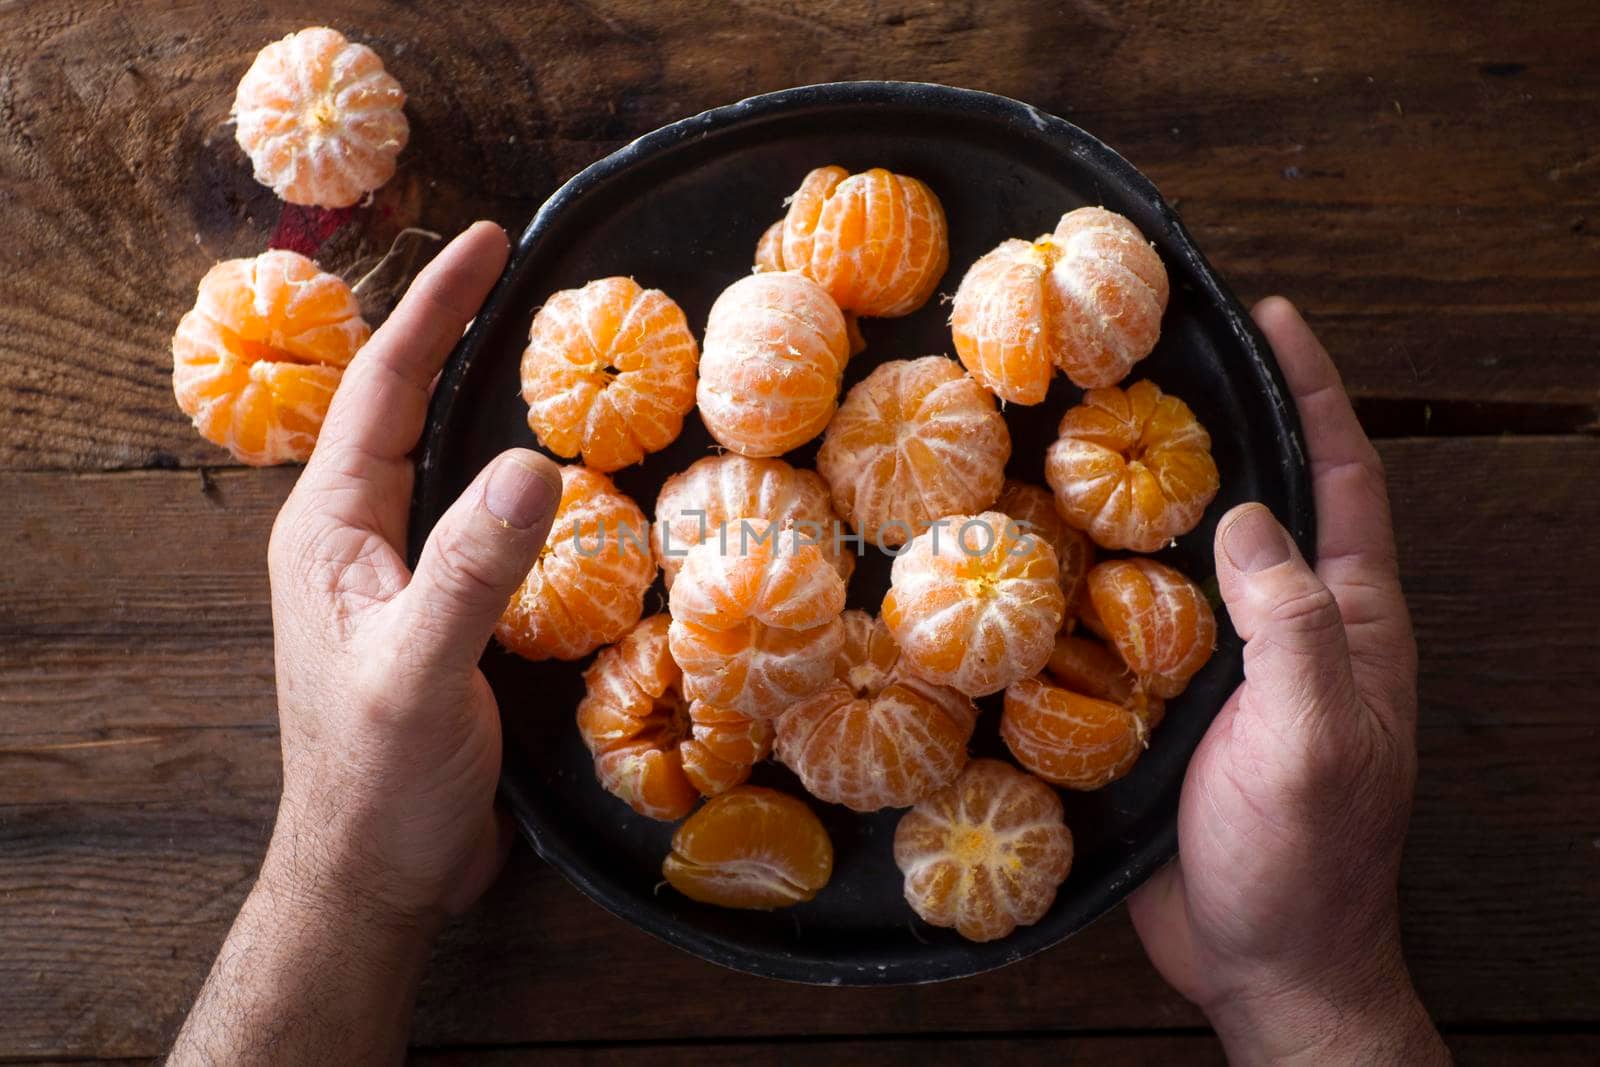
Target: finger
[477, 555]
[1296, 657]
[1347, 475]
[1355, 535]
[378, 411]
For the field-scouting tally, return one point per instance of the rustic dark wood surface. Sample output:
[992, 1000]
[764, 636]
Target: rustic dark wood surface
[1423, 179]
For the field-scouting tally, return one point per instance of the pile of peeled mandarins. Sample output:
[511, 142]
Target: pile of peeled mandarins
[994, 586]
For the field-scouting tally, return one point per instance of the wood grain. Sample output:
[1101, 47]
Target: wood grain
[1424, 179]
[1034, 1051]
[1121, 1050]
[1555, 1049]
[138, 774]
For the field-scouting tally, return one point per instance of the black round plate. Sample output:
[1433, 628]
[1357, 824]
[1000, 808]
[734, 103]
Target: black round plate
[681, 210]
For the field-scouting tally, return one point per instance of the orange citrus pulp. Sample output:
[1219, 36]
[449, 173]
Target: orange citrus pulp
[875, 737]
[986, 853]
[255, 363]
[750, 848]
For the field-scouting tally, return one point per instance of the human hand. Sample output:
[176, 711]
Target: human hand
[1279, 917]
[391, 741]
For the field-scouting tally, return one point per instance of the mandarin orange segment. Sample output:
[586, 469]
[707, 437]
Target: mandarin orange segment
[876, 241]
[1159, 620]
[975, 603]
[587, 587]
[985, 854]
[652, 748]
[1087, 298]
[1034, 509]
[256, 361]
[769, 250]
[914, 441]
[805, 212]
[1132, 467]
[320, 119]
[755, 626]
[773, 576]
[1069, 739]
[876, 737]
[716, 493]
[721, 747]
[750, 848]
[609, 373]
[755, 669]
[1086, 666]
[775, 350]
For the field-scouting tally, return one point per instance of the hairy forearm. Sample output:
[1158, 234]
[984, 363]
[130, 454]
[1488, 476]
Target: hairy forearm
[311, 972]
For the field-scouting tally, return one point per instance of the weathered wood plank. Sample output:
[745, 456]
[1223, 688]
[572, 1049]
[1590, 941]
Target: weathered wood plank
[1137, 1050]
[127, 854]
[1556, 1049]
[135, 863]
[1423, 180]
[1549, 1050]
[140, 554]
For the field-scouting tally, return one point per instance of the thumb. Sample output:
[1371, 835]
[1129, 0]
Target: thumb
[1296, 658]
[477, 555]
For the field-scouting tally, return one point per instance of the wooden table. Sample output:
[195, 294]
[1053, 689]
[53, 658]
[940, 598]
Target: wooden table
[1423, 178]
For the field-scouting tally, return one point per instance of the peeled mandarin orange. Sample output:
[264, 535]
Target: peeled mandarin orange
[1070, 739]
[1132, 467]
[256, 361]
[755, 622]
[985, 854]
[975, 603]
[320, 119]
[876, 241]
[715, 493]
[1034, 509]
[1159, 621]
[1086, 666]
[608, 373]
[653, 748]
[875, 737]
[775, 349]
[587, 587]
[1087, 298]
[769, 256]
[750, 848]
[914, 441]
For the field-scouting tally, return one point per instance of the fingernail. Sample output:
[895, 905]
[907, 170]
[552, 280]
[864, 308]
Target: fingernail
[519, 494]
[1254, 541]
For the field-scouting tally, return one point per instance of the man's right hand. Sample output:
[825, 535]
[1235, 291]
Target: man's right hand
[1279, 918]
